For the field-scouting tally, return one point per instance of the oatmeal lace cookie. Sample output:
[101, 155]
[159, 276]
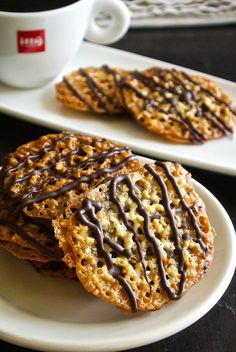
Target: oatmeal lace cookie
[29, 239]
[139, 240]
[181, 107]
[93, 89]
[41, 178]
[55, 269]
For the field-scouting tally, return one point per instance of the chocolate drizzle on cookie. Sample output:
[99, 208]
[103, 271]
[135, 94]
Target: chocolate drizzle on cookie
[149, 82]
[113, 190]
[36, 156]
[148, 231]
[117, 247]
[35, 193]
[181, 198]
[172, 88]
[208, 91]
[68, 187]
[12, 224]
[106, 102]
[188, 97]
[81, 165]
[87, 216]
[96, 91]
[77, 93]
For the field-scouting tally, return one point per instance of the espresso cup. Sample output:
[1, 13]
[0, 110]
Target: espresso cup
[35, 46]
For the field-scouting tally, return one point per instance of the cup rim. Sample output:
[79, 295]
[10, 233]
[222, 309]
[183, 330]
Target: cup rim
[38, 13]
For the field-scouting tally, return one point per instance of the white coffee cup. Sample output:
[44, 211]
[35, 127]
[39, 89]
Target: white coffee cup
[35, 46]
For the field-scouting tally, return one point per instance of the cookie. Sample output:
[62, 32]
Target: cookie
[56, 269]
[139, 240]
[42, 176]
[178, 106]
[29, 239]
[93, 89]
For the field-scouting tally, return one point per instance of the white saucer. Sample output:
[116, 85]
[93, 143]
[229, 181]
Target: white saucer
[58, 315]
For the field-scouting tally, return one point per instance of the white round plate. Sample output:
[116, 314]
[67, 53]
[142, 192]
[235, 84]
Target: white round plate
[58, 315]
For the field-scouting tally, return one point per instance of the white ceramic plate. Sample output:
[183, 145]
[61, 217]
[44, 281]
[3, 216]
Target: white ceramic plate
[58, 315]
[39, 106]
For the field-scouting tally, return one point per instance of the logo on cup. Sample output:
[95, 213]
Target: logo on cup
[31, 41]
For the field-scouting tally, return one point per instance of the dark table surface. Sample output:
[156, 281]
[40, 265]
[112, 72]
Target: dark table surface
[211, 50]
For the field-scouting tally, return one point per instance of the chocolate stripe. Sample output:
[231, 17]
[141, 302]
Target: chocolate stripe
[117, 248]
[100, 158]
[217, 122]
[25, 236]
[115, 182]
[188, 96]
[174, 229]
[151, 237]
[84, 179]
[153, 85]
[96, 91]
[89, 207]
[184, 204]
[36, 155]
[190, 79]
[77, 93]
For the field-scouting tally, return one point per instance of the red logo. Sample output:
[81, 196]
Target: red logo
[31, 41]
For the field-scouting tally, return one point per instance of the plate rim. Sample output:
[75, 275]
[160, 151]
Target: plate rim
[140, 339]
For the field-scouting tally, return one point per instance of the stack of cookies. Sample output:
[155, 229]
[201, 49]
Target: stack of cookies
[83, 207]
[171, 103]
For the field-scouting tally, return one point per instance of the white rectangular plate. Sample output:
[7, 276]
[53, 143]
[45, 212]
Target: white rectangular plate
[40, 106]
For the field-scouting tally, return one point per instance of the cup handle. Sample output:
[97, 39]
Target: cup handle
[118, 26]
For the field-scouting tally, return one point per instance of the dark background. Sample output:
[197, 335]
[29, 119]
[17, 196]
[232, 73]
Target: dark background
[211, 50]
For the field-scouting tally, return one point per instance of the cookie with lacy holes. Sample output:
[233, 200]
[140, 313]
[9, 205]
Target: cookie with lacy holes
[139, 240]
[34, 240]
[178, 106]
[41, 179]
[29, 239]
[93, 89]
[55, 269]
[43, 176]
